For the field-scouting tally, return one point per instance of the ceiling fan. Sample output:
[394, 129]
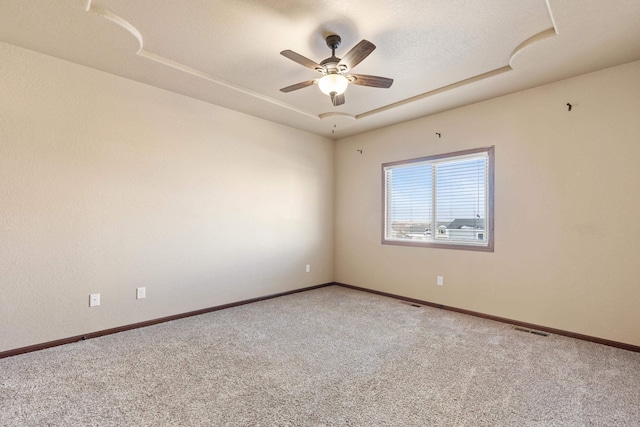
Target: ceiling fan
[335, 77]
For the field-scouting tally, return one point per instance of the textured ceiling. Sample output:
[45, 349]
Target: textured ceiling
[441, 54]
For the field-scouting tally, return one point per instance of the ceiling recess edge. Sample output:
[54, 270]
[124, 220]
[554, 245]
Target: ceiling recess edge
[123, 23]
[127, 26]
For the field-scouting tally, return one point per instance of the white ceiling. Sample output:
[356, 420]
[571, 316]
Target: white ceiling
[441, 54]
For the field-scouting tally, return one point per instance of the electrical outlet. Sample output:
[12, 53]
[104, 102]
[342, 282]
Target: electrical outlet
[308, 269]
[440, 281]
[141, 293]
[94, 300]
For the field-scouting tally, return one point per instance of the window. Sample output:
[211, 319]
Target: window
[443, 201]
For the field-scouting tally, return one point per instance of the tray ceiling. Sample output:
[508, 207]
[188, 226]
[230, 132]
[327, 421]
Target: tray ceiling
[441, 54]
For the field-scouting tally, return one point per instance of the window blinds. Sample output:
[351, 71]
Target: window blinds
[441, 199]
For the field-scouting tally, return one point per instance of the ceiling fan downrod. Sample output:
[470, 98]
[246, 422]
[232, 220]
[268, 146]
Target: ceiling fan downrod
[333, 41]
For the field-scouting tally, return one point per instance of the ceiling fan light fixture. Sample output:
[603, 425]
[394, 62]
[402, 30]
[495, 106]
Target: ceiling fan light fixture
[334, 80]
[333, 83]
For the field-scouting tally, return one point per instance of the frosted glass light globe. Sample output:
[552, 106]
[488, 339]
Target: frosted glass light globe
[333, 83]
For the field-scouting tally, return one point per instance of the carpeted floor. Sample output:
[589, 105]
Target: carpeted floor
[331, 356]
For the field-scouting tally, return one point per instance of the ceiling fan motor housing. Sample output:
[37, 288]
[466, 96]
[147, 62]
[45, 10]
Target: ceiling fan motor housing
[331, 65]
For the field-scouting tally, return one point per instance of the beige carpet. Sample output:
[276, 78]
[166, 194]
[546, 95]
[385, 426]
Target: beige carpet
[331, 356]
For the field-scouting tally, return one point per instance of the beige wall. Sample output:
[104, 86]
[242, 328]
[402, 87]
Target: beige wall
[107, 184]
[567, 209]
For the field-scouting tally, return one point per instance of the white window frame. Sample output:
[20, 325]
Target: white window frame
[486, 245]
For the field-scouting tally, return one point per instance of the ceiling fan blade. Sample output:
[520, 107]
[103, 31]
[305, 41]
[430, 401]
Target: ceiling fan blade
[372, 81]
[297, 86]
[356, 54]
[337, 100]
[304, 61]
